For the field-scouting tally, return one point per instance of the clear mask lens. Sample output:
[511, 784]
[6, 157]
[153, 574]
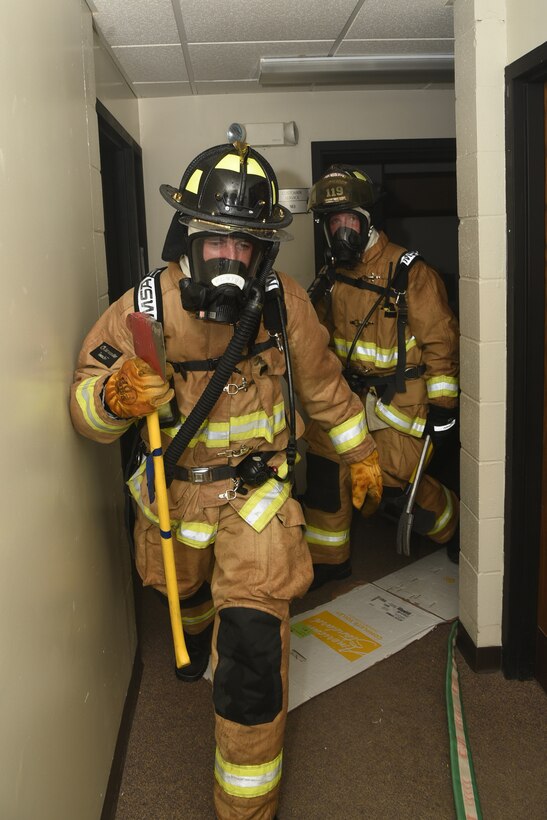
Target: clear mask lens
[223, 259]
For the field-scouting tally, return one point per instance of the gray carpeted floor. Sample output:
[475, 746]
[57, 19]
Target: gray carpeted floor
[375, 747]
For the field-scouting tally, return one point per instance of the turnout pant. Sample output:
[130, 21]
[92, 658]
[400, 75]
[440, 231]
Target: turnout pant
[254, 578]
[327, 501]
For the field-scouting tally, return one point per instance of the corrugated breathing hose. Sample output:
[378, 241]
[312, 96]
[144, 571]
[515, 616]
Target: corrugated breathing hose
[250, 317]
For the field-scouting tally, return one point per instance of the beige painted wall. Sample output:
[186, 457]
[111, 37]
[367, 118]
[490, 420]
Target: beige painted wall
[67, 635]
[489, 34]
[526, 26]
[174, 130]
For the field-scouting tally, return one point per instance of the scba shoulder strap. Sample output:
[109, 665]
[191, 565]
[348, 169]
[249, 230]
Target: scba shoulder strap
[148, 297]
[396, 290]
[396, 284]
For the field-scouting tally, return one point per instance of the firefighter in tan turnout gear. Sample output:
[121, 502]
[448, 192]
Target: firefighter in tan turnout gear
[397, 338]
[240, 550]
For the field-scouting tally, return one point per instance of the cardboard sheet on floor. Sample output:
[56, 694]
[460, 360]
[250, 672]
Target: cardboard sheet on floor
[337, 640]
[430, 583]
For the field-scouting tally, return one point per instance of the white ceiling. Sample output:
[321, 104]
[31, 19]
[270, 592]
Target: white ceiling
[185, 47]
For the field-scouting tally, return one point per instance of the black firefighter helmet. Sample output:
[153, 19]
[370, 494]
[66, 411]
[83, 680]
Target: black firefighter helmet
[344, 189]
[230, 191]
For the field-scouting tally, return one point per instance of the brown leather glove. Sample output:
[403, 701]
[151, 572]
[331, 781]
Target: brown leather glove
[366, 484]
[137, 390]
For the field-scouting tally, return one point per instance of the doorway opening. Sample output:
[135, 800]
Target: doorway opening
[524, 628]
[124, 221]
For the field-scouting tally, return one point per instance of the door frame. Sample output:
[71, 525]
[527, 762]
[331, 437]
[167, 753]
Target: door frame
[525, 191]
[129, 218]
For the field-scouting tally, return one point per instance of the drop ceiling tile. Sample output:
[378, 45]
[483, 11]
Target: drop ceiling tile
[152, 63]
[241, 20]
[136, 22]
[419, 18]
[240, 61]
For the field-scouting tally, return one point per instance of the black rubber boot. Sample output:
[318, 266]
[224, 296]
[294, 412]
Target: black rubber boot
[199, 649]
[323, 573]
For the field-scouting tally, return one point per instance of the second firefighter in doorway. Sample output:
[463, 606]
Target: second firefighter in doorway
[397, 338]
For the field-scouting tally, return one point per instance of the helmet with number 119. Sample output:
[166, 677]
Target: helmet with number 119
[342, 200]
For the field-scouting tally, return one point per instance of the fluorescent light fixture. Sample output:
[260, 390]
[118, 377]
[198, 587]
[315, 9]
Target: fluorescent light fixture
[377, 68]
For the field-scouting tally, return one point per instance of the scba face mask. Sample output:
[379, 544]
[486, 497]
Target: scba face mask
[345, 242]
[222, 266]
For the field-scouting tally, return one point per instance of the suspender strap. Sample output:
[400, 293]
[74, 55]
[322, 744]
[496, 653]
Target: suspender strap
[362, 284]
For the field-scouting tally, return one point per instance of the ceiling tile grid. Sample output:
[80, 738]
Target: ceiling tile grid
[185, 47]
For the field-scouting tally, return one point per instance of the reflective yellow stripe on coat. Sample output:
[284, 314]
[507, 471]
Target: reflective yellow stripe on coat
[350, 434]
[85, 396]
[438, 386]
[400, 421]
[217, 434]
[369, 352]
[248, 781]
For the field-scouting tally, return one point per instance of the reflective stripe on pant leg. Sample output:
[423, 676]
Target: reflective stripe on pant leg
[247, 781]
[197, 610]
[432, 495]
[328, 532]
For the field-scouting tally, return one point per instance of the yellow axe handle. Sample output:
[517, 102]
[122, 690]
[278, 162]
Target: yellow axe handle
[181, 653]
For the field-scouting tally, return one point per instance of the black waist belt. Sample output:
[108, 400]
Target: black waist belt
[387, 384]
[204, 475]
[410, 373]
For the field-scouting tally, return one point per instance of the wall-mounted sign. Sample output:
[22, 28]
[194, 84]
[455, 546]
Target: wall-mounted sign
[295, 199]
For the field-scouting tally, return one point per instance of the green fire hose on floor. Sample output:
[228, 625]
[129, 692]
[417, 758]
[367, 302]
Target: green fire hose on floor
[466, 796]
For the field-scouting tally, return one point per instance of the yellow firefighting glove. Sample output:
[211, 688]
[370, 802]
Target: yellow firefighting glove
[136, 390]
[366, 484]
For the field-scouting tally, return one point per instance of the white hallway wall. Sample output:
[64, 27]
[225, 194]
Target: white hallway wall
[67, 635]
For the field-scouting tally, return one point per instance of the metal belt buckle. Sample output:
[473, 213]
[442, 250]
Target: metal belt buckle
[200, 475]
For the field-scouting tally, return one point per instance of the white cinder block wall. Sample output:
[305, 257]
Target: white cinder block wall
[489, 34]
[480, 61]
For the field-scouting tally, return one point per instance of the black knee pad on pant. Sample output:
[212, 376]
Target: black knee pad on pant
[322, 484]
[247, 687]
